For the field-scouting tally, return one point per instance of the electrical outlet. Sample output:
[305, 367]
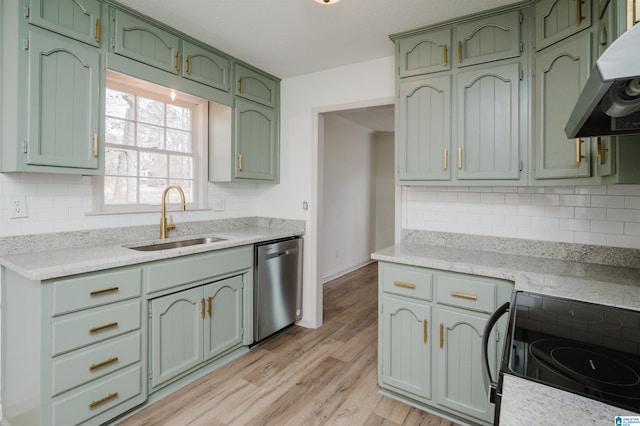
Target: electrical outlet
[17, 207]
[218, 205]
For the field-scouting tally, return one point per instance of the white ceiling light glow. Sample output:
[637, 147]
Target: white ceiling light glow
[327, 1]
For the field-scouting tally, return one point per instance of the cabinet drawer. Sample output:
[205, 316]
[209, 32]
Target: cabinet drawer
[171, 273]
[466, 293]
[94, 326]
[78, 369]
[91, 401]
[256, 87]
[407, 281]
[89, 291]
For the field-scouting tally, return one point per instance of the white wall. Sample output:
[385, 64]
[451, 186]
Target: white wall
[384, 190]
[600, 215]
[348, 197]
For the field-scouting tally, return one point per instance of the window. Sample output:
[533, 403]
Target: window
[153, 138]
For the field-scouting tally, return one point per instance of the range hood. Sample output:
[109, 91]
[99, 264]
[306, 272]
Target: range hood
[610, 101]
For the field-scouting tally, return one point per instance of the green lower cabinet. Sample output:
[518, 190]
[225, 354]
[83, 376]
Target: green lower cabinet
[193, 326]
[406, 363]
[460, 383]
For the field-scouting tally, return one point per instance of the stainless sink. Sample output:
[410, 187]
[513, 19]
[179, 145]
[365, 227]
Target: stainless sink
[176, 244]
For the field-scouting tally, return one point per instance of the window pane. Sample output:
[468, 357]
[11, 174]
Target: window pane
[153, 165]
[178, 141]
[180, 167]
[178, 117]
[150, 111]
[120, 190]
[118, 131]
[150, 136]
[119, 104]
[187, 188]
[121, 162]
[151, 190]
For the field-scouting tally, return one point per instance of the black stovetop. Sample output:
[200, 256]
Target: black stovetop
[584, 348]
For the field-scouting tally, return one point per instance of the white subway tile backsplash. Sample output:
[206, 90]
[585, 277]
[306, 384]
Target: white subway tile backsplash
[575, 225]
[632, 202]
[591, 190]
[492, 198]
[632, 228]
[591, 213]
[558, 235]
[609, 201]
[591, 238]
[518, 199]
[545, 199]
[545, 223]
[558, 211]
[625, 215]
[575, 200]
[627, 241]
[623, 189]
[607, 227]
[559, 189]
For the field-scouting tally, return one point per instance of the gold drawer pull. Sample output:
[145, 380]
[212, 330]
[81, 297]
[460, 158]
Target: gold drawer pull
[446, 158]
[104, 290]
[95, 144]
[98, 30]
[446, 60]
[459, 50]
[459, 157]
[240, 85]
[202, 312]
[189, 65]
[579, 16]
[94, 404]
[209, 306]
[464, 295]
[402, 284]
[579, 155]
[103, 363]
[178, 60]
[600, 149]
[424, 330]
[103, 327]
[441, 335]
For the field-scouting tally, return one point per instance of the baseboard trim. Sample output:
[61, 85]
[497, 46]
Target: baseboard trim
[339, 274]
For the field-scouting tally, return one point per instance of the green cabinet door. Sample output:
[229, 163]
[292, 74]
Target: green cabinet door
[223, 328]
[255, 86]
[256, 146]
[556, 20]
[424, 53]
[176, 334]
[488, 39]
[139, 40]
[488, 123]
[205, 66]
[406, 346]
[63, 102]
[424, 129]
[459, 363]
[78, 19]
[560, 73]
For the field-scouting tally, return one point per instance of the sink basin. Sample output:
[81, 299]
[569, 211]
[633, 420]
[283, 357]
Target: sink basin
[176, 244]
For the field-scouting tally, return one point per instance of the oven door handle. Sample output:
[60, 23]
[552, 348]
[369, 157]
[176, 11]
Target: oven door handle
[489, 384]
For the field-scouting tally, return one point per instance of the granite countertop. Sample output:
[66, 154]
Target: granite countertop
[526, 402]
[55, 262]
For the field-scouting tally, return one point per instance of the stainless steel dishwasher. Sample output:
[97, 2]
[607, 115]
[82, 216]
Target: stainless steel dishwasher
[277, 289]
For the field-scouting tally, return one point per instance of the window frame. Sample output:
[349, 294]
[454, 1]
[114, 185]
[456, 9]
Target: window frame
[199, 125]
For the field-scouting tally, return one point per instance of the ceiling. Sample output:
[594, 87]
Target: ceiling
[292, 37]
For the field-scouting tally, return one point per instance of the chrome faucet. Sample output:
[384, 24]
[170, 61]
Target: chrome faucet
[164, 226]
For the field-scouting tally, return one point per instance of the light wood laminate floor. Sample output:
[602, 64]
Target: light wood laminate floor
[299, 376]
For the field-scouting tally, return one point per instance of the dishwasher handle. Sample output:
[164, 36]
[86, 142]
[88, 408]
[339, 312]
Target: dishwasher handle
[268, 256]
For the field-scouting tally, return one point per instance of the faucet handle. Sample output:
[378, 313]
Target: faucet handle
[170, 225]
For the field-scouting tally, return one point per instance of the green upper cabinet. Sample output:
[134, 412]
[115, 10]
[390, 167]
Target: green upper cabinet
[489, 39]
[256, 143]
[204, 66]
[78, 19]
[560, 74]
[144, 42]
[556, 20]
[406, 359]
[256, 87]
[424, 129]
[488, 123]
[63, 102]
[424, 53]
[223, 326]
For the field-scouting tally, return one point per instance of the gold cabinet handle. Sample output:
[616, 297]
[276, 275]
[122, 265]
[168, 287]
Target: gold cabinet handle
[599, 148]
[189, 65]
[459, 157]
[209, 307]
[403, 284]
[579, 11]
[441, 335]
[446, 158]
[464, 295]
[424, 330]
[202, 311]
[240, 162]
[446, 56]
[459, 50]
[98, 30]
[178, 60]
[240, 85]
[103, 363]
[103, 327]
[95, 144]
[103, 291]
[94, 404]
[579, 155]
